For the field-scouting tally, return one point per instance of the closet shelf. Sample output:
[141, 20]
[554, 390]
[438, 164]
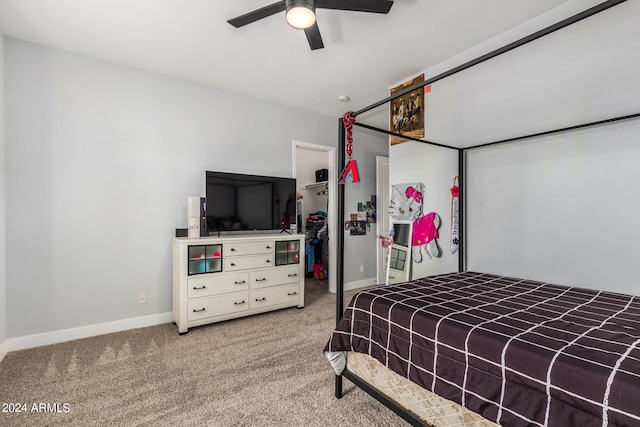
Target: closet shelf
[316, 185]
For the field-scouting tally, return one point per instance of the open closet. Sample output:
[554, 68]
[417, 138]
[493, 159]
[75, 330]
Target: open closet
[312, 209]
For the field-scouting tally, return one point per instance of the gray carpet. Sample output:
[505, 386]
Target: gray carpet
[263, 370]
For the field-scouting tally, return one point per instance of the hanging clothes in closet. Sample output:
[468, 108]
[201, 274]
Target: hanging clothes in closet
[316, 228]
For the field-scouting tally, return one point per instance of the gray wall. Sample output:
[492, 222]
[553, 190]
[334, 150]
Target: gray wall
[100, 160]
[3, 238]
[561, 208]
[361, 250]
[578, 74]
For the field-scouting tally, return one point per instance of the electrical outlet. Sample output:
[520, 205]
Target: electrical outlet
[142, 298]
[362, 268]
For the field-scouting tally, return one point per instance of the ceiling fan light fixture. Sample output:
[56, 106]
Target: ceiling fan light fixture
[301, 13]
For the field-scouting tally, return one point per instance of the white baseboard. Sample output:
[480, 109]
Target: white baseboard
[54, 337]
[4, 349]
[364, 283]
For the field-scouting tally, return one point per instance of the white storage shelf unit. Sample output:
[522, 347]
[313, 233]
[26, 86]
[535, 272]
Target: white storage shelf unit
[222, 278]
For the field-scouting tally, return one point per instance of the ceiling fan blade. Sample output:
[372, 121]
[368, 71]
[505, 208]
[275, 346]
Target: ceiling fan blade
[258, 14]
[373, 6]
[313, 37]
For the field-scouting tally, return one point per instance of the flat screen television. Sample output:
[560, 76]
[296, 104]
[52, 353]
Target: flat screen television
[239, 202]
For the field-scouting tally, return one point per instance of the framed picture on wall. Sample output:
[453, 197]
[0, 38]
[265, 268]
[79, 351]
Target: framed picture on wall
[406, 114]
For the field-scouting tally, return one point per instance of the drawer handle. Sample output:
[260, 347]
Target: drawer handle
[292, 293]
[232, 249]
[239, 303]
[240, 283]
[233, 264]
[292, 275]
[201, 287]
[197, 311]
[264, 279]
[268, 247]
[261, 299]
[268, 261]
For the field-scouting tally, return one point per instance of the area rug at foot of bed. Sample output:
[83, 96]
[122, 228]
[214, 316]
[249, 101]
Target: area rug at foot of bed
[517, 352]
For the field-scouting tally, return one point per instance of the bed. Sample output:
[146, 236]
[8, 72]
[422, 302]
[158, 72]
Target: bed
[517, 352]
[472, 348]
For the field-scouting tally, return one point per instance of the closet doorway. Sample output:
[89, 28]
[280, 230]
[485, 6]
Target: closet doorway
[316, 209]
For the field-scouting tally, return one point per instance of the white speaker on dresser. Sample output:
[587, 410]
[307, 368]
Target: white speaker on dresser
[194, 215]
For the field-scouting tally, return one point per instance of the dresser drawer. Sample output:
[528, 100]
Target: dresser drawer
[217, 306]
[274, 277]
[217, 284]
[248, 248]
[248, 262]
[274, 296]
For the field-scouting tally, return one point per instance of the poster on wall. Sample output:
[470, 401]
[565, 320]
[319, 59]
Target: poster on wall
[358, 228]
[406, 113]
[371, 210]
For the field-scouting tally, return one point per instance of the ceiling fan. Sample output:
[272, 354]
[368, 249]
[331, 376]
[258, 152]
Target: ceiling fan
[301, 14]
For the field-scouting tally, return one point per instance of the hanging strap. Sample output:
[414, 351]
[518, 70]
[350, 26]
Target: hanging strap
[349, 119]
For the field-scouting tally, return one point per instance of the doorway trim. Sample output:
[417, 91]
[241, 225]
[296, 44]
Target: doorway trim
[332, 212]
[383, 189]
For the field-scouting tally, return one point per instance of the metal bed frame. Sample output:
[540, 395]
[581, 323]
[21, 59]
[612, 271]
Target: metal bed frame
[409, 416]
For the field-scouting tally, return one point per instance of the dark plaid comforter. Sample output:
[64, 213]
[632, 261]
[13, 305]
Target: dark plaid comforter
[518, 352]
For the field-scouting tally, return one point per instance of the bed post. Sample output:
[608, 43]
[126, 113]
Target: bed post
[340, 245]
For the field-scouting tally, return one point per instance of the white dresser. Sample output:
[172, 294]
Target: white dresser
[221, 278]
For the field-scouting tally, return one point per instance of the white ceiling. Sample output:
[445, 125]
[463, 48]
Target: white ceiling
[364, 53]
